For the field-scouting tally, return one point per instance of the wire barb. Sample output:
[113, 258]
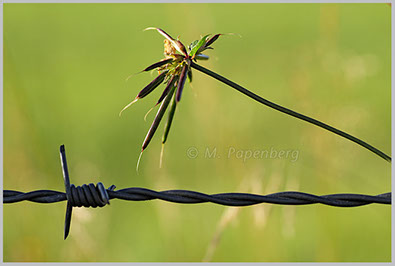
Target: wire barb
[85, 195]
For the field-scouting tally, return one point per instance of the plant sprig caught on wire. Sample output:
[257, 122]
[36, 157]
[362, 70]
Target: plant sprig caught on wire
[173, 71]
[177, 66]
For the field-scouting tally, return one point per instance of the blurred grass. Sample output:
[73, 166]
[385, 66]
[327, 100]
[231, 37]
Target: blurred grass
[64, 82]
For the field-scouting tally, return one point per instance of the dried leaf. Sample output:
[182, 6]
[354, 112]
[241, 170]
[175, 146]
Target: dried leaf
[181, 48]
[177, 44]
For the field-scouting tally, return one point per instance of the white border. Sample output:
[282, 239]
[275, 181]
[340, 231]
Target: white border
[206, 1]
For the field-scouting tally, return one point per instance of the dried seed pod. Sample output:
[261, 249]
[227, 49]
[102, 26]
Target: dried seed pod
[147, 89]
[212, 39]
[169, 86]
[189, 75]
[169, 119]
[152, 85]
[158, 64]
[158, 118]
[181, 82]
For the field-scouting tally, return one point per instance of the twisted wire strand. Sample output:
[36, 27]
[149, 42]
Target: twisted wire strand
[193, 197]
[98, 196]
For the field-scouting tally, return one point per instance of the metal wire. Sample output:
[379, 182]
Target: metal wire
[98, 196]
[193, 197]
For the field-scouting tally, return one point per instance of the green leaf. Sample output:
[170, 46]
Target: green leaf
[200, 44]
[193, 44]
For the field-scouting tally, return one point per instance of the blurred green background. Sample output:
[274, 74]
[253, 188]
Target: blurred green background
[65, 67]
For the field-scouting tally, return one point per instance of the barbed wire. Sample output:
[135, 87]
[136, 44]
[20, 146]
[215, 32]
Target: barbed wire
[193, 197]
[98, 196]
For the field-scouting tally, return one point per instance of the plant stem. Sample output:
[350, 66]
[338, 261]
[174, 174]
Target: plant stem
[290, 112]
